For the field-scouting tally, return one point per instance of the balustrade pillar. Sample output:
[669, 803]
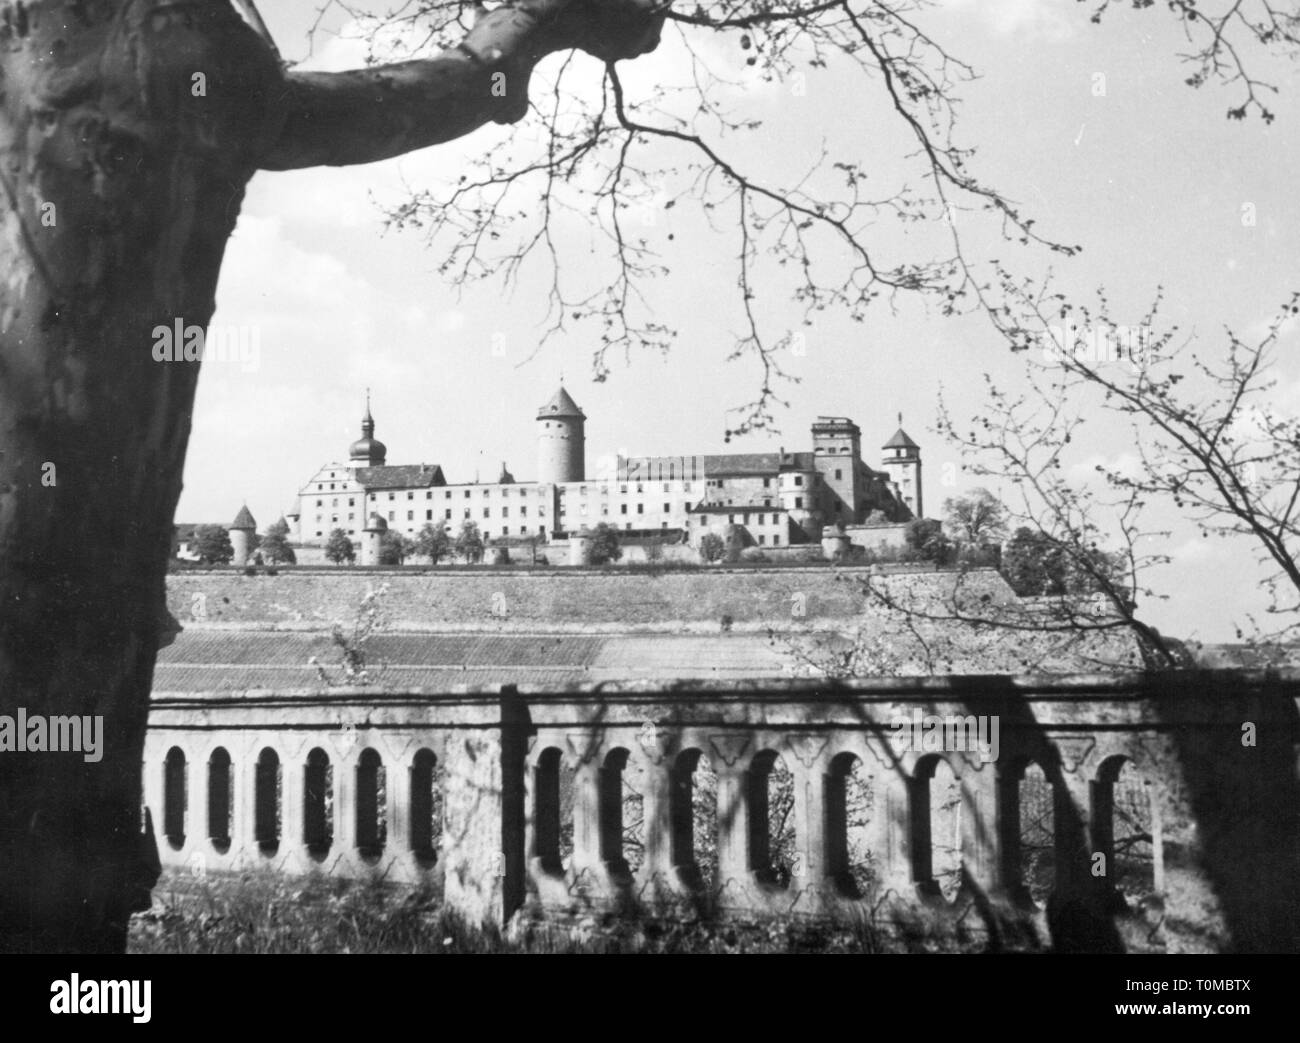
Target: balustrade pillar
[733, 828]
[657, 808]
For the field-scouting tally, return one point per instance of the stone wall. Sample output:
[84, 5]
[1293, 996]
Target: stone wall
[449, 597]
[589, 801]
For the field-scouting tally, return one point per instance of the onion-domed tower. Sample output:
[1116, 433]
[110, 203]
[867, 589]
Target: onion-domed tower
[561, 442]
[368, 451]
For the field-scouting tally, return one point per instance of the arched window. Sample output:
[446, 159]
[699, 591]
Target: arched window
[426, 806]
[936, 828]
[770, 800]
[552, 812]
[266, 802]
[1127, 831]
[175, 798]
[318, 803]
[849, 809]
[694, 813]
[622, 814]
[221, 787]
[372, 818]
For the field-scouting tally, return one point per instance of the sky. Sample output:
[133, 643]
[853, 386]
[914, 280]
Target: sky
[1089, 128]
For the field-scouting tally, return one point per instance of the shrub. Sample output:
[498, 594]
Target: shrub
[712, 547]
[925, 536]
[603, 547]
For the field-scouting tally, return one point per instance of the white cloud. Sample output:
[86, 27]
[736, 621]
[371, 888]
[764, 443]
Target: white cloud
[1197, 549]
[1048, 19]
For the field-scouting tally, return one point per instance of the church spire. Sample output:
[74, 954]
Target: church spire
[368, 451]
[368, 421]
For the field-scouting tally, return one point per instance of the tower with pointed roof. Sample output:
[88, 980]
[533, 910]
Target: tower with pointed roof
[902, 459]
[241, 536]
[561, 440]
[368, 451]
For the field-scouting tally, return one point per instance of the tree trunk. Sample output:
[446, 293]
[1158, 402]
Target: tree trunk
[128, 132]
[124, 152]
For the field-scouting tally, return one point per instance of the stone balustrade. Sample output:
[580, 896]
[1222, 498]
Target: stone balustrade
[1109, 812]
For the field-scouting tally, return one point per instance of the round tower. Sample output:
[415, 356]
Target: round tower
[580, 547]
[561, 441]
[241, 536]
[372, 540]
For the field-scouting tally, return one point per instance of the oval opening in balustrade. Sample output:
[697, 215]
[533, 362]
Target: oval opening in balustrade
[372, 809]
[937, 810]
[773, 853]
[849, 808]
[622, 813]
[221, 798]
[175, 797]
[1127, 834]
[426, 807]
[694, 815]
[552, 812]
[267, 810]
[318, 804]
[1036, 818]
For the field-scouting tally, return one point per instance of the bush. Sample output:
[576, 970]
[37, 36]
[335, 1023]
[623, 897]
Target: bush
[925, 536]
[712, 547]
[603, 547]
[752, 554]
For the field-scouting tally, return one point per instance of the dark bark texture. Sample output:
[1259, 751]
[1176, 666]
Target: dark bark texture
[128, 132]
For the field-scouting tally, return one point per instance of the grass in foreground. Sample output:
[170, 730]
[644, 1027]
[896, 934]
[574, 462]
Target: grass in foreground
[266, 913]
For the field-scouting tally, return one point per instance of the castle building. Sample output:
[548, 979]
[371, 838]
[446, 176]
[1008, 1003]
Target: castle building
[769, 499]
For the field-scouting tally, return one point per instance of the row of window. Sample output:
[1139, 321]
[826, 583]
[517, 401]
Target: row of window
[582, 490]
[623, 508]
[505, 531]
[447, 494]
[744, 517]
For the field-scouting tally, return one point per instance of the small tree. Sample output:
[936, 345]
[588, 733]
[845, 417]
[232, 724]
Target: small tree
[275, 544]
[603, 547]
[977, 519]
[339, 548]
[712, 547]
[212, 545]
[469, 542]
[393, 548]
[1034, 564]
[925, 537]
[432, 542]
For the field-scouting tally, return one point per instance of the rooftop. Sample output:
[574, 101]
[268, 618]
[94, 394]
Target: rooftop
[400, 476]
[561, 404]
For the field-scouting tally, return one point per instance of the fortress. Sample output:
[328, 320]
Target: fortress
[573, 746]
[773, 499]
